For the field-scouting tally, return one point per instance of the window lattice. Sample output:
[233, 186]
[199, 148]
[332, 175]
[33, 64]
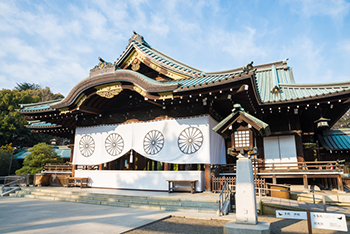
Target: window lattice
[242, 139]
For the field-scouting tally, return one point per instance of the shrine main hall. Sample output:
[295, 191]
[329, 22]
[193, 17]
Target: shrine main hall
[147, 118]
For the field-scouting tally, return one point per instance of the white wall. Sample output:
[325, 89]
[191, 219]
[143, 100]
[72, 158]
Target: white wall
[143, 180]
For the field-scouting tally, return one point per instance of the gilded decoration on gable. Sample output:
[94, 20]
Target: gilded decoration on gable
[135, 64]
[110, 90]
[64, 110]
[140, 90]
[140, 58]
[80, 100]
[131, 58]
[166, 95]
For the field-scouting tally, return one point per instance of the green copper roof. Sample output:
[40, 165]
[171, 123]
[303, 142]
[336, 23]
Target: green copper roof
[282, 78]
[39, 106]
[258, 124]
[62, 151]
[42, 125]
[335, 139]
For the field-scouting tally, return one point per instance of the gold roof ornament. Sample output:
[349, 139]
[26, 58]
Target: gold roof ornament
[109, 91]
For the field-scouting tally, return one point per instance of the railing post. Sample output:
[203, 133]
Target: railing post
[260, 194]
[324, 203]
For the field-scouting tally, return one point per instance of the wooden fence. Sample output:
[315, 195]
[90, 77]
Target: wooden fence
[218, 183]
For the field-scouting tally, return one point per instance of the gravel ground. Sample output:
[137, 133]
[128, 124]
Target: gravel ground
[182, 225]
[191, 225]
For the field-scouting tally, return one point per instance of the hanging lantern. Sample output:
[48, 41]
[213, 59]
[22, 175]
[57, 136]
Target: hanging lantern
[322, 123]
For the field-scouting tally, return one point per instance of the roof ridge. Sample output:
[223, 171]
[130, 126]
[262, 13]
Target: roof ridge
[41, 103]
[260, 67]
[177, 61]
[316, 85]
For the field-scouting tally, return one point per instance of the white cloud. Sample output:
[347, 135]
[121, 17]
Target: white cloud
[18, 49]
[310, 65]
[56, 43]
[241, 45]
[336, 9]
[158, 25]
[344, 46]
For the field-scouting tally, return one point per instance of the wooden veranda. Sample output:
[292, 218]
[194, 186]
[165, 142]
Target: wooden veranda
[329, 172]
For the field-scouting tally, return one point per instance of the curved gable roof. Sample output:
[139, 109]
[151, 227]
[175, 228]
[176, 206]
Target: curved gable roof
[146, 83]
[282, 77]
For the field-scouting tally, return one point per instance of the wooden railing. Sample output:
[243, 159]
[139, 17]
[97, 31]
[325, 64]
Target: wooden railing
[218, 184]
[261, 167]
[57, 168]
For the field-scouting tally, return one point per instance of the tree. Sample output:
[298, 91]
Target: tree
[46, 94]
[12, 123]
[343, 122]
[5, 158]
[40, 155]
[25, 86]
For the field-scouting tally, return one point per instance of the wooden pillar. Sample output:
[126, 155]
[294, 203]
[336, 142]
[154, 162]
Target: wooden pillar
[166, 166]
[71, 146]
[306, 185]
[181, 167]
[340, 183]
[325, 182]
[100, 167]
[274, 179]
[74, 167]
[207, 176]
[299, 140]
[330, 183]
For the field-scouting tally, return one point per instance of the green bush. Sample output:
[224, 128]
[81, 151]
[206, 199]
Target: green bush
[40, 155]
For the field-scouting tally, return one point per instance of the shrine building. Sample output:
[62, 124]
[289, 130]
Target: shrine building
[147, 118]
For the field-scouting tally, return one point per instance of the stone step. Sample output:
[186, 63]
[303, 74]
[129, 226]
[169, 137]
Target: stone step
[171, 204]
[109, 195]
[137, 200]
[123, 204]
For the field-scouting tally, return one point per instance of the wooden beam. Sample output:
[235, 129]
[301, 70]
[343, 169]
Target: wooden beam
[154, 103]
[90, 110]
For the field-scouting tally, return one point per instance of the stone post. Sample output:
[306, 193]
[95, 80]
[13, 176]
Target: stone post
[246, 212]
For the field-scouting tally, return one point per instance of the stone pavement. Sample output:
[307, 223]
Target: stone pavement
[22, 215]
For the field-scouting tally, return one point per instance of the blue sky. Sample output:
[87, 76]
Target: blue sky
[56, 43]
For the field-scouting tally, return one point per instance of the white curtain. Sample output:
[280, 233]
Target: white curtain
[182, 141]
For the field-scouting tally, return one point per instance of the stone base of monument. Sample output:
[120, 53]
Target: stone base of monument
[238, 228]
